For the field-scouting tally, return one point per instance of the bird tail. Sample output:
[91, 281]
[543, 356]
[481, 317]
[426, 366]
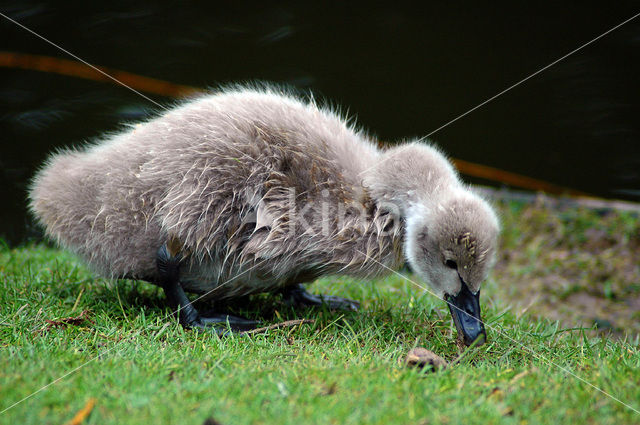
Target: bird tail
[60, 200]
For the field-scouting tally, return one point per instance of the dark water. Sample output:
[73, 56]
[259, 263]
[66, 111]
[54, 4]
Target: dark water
[402, 71]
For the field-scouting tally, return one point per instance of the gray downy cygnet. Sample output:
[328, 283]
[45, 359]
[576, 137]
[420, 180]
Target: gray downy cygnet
[252, 190]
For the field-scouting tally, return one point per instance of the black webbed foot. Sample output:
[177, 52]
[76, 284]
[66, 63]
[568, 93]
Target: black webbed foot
[298, 296]
[169, 271]
[235, 323]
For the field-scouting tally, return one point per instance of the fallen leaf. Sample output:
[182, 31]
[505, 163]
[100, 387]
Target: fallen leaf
[83, 413]
[421, 357]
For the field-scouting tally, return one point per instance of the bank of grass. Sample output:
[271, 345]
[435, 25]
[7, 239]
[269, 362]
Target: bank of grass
[578, 265]
[346, 368]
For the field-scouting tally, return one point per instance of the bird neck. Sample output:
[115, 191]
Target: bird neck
[408, 175]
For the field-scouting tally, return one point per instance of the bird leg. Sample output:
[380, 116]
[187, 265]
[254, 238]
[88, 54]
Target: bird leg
[169, 270]
[298, 296]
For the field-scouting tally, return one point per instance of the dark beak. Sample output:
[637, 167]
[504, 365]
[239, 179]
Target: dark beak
[465, 310]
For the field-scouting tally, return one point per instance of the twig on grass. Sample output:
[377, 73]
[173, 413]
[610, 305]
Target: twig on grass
[284, 324]
[64, 322]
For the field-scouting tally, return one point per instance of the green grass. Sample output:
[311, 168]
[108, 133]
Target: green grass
[346, 368]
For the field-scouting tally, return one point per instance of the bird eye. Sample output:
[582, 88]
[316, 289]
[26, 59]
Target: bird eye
[451, 264]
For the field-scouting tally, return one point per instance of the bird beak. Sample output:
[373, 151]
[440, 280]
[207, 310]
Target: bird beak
[465, 310]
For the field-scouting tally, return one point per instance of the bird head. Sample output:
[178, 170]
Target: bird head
[451, 244]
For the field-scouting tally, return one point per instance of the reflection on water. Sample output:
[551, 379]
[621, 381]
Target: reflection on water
[404, 72]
